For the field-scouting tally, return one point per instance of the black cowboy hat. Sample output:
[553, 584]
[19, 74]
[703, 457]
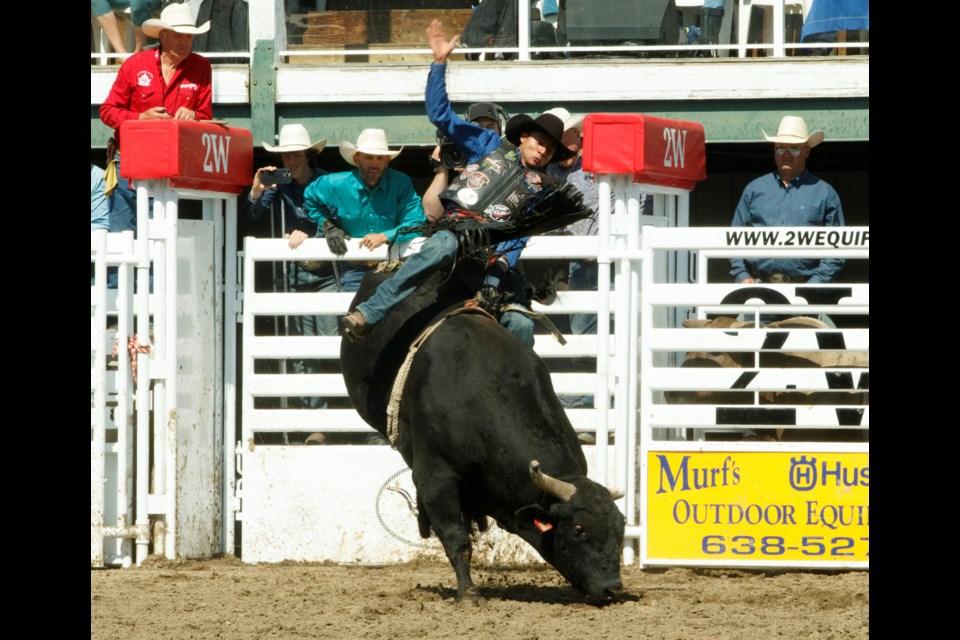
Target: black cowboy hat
[546, 123]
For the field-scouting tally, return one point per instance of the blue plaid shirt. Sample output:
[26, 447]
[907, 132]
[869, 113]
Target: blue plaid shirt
[806, 201]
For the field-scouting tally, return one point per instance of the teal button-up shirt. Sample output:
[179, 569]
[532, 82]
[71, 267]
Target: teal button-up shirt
[345, 200]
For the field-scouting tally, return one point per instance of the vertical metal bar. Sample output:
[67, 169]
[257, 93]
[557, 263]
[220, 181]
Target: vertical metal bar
[170, 311]
[523, 29]
[626, 451]
[142, 300]
[601, 397]
[98, 241]
[123, 415]
[229, 321]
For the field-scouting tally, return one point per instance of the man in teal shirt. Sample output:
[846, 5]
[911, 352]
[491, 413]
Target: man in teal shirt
[372, 202]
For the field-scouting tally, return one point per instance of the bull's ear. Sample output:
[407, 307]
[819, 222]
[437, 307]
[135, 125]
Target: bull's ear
[536, 516]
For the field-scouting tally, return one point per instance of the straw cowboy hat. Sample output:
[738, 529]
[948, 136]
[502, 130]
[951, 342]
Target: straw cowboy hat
[176, 17]
[793, 130]
[548, 124]
[372, 141]
[569, 121]
[294, 137]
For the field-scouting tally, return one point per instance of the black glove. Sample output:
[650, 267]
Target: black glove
[335, 238]
[488, 299]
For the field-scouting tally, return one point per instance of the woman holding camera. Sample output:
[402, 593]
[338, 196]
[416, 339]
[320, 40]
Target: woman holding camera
[282, 191]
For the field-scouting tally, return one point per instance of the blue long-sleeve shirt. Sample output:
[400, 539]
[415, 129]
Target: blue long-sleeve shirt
[806, 201]
[473, 140]
[345, 200]
[295, 217]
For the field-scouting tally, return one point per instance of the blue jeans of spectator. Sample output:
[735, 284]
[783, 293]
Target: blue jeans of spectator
[122, 204]
[351, 276]
[583, 277]
[300, 280]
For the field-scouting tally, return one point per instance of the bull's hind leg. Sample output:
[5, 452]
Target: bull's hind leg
[440, 508]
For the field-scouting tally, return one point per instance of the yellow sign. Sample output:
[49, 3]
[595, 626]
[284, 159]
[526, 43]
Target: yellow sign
[739, 507]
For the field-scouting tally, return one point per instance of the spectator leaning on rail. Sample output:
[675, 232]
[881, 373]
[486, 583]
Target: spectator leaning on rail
[140, 11]
[790, 196]
[371, 202]
[166, 83]
[297, 154]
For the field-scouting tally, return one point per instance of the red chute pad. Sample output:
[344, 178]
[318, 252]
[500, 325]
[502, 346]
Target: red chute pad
[193, 155]
[669, 153]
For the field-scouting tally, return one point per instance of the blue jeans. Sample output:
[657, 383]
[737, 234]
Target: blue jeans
[302, 281]
[122, 204]
[519, 325]
[437, 252]
[351, 276]
[583, 277]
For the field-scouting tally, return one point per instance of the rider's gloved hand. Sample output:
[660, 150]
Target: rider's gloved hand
[488, 299]
[336, 238]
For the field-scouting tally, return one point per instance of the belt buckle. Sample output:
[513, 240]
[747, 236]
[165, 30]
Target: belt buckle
[778, 278]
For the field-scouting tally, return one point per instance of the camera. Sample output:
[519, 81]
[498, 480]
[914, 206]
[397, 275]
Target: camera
[450, 155]
[280, 176]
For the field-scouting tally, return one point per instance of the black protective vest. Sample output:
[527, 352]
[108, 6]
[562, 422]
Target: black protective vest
[499, 187]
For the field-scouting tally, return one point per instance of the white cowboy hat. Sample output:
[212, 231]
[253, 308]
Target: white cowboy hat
[569, 121]
[372, 141]
[793, 130]
[294, 137]
[176, 17]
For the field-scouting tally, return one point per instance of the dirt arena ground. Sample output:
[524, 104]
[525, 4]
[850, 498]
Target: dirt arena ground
[224, 599]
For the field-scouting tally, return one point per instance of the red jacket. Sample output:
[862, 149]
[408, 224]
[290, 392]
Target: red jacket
[139, 86]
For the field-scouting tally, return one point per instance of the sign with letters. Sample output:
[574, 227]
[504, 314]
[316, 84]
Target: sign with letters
[658, 151]
[193, 155]
[737, 508]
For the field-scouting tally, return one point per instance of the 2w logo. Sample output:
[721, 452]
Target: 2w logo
[216, 151]
[673, 155]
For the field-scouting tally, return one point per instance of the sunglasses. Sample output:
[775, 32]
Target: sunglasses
[794, 151]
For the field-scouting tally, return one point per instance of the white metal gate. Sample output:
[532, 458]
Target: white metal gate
[156, 419]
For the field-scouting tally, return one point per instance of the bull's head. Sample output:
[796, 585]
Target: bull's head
[580, 533]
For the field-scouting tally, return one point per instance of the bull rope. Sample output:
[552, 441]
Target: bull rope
[396, 393]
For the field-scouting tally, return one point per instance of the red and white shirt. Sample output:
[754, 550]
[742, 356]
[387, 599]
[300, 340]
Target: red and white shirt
[139, 86]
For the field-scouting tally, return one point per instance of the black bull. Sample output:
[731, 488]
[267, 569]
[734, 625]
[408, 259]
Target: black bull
[478, 410]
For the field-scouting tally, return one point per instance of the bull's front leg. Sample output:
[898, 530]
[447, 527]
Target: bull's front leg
[440, 506]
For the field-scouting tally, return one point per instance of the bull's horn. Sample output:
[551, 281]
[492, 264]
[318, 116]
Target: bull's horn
[616, 494]
[557, 488]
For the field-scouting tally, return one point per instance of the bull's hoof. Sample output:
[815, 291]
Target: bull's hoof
[470, 598]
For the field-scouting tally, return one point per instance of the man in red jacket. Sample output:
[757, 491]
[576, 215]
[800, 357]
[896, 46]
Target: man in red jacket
[169, 82]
